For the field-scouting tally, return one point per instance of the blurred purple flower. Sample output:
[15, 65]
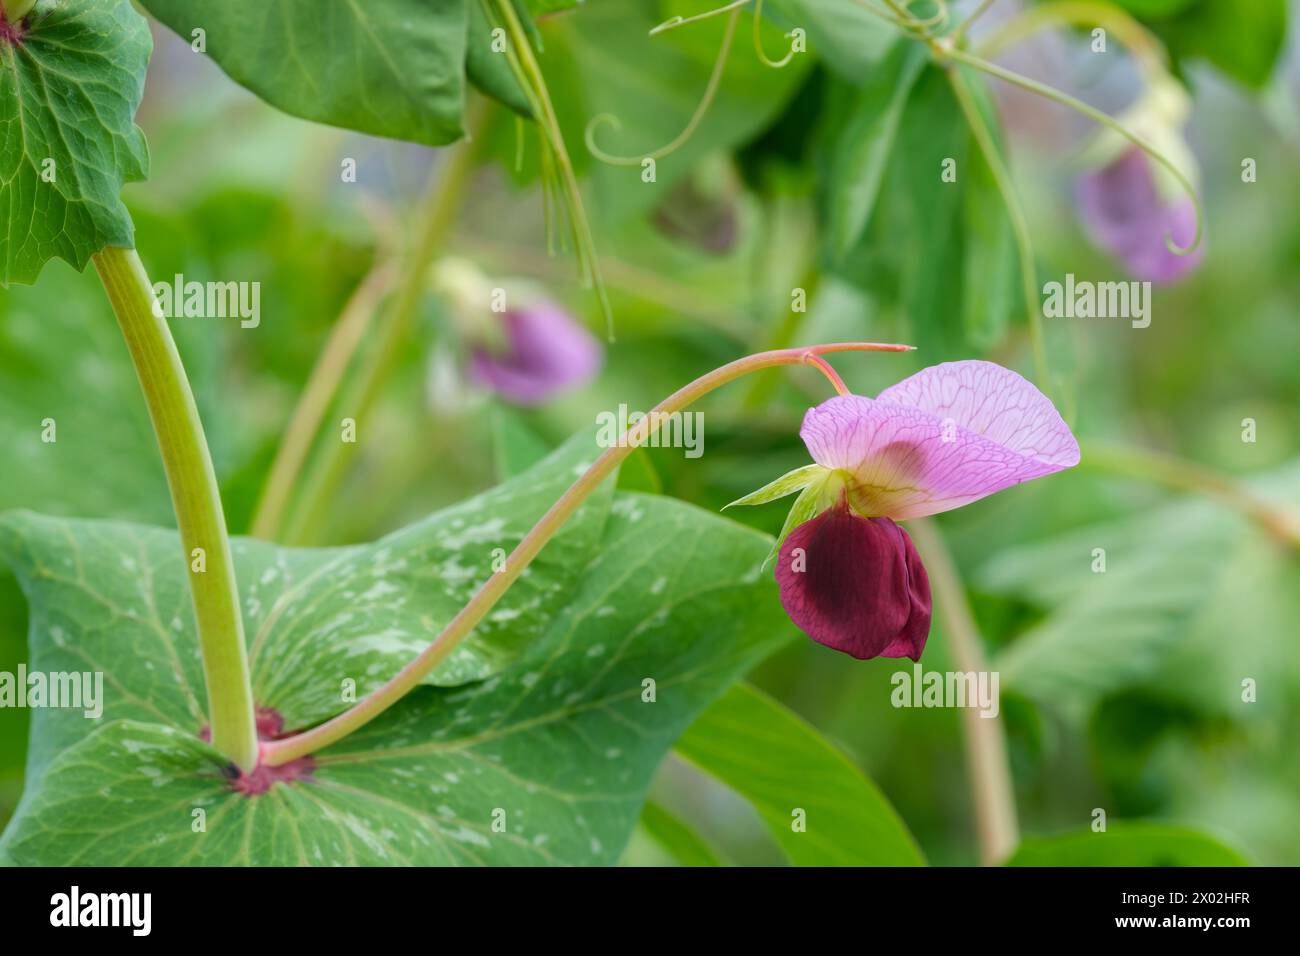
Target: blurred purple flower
[542, 351]
[850, 578]
[1124, 213]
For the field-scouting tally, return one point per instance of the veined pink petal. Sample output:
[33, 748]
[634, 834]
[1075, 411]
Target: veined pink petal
[945, 437]
[993, 402]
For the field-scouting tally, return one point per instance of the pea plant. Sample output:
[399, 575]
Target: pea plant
[498, 682]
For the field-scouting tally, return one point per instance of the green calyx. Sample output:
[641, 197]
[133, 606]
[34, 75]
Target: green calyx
[819, 488]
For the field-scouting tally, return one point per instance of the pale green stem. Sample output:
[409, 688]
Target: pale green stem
[195, 498]
[534, 85]
[984, 738]
[485, 598]
[1019, 226]
[1065, 99]
[1277, 518]
[15, 10]
[322, 385]
[432, 222]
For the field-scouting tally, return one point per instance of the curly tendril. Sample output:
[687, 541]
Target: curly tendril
[758, 41]
[710, 91]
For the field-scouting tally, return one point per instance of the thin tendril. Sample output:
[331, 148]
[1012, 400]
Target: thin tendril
[1065, 99]
[709, 93]
[672, 23]
[966, 24]
[1019, 226]
[758, 41]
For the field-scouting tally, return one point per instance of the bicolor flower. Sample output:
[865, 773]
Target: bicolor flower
[1129, 203]
[849, 575]
[516, 342]
[542, 351]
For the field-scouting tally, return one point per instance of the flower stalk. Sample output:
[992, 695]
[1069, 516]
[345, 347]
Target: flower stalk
[290, 748]
[984, 739]
[195, 498]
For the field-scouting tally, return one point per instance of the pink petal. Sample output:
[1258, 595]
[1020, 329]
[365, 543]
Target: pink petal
[943, 438]
[855, 584]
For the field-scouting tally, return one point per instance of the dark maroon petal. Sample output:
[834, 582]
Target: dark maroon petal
[911, 641]
[855, 584]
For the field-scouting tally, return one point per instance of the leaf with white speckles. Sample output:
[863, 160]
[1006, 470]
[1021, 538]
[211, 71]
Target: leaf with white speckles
[548, 761]
[113, 597]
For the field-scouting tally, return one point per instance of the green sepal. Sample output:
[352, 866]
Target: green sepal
[787, 484]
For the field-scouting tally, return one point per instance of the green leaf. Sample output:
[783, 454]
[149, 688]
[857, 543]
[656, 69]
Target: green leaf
[1109, 629]
[393, 68]
[559, 748]
[487, 69]
[681, 842]
[1128, 844]
[780, 764]
[69, 89]
[113, 597]
[848, 38]
[1243, 39]
[864, 143]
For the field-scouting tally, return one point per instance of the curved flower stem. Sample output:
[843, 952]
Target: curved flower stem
[195, 498]
[1019, 226]
[322, 386]
[1065, 99]
[433, 220]
[290, 748]
[1278, 519]
[1131, 33]
[984, 738]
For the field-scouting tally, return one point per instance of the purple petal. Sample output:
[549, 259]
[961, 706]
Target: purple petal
[943, 438]
[1124, 214]
[546, 352]
[855, 584]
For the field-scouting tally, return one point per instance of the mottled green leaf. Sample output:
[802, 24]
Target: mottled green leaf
[557, 750]
[70, 81]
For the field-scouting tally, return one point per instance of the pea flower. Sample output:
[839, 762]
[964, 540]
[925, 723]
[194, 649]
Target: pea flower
[849, 576]
[516, 342]
[1129, 203]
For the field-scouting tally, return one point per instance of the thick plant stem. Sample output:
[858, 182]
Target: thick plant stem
[322, 385]
[481, 603]
[433, 220]
[983, 737]
[195, 497]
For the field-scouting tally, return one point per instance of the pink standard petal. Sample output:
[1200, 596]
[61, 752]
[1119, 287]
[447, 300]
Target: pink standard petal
[546, 352]
[945, 437]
